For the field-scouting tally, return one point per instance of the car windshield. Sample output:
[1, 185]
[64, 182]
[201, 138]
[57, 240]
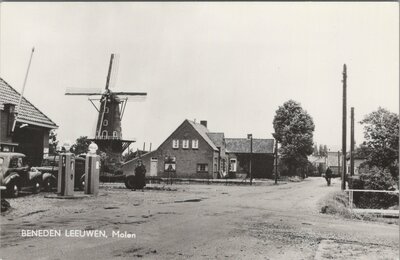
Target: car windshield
[49, 162]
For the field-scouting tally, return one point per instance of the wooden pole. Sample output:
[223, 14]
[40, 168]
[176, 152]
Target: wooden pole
[251, 158]
[338, 159]
[352, 143]
[276, 162]
[22, 91]
[344, 126]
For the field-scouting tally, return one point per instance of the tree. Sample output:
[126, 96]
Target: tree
[321, 150]
[81, 145]
[294, 129]
[376, 178]
[53, 142]
[325, 150]
[381, 132]
[316, 152]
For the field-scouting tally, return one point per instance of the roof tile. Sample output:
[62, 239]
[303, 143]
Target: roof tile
[28, 112]
[242, 145]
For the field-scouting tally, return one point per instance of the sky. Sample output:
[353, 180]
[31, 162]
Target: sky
[232, 64]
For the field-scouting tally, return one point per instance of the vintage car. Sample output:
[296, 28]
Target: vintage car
[15, 174]
[49, 168]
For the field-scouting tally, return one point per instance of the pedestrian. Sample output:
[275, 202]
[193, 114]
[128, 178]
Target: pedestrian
[140, 175]
[328, 175]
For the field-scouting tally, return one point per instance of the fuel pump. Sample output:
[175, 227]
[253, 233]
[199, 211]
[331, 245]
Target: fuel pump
[92, 170]
[66, 172]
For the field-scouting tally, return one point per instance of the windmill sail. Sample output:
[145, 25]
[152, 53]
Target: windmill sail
[108, 133]
[83, 91]
[114, 71]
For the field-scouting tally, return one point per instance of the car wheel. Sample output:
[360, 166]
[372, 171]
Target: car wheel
[49, 184]
[13, 189]
[36, 187]
[130, 182]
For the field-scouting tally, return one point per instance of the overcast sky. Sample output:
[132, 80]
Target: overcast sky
[231, 64]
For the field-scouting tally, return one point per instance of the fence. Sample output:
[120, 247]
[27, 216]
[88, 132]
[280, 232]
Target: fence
[372, 211]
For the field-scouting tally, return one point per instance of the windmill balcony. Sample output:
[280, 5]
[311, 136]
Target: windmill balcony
[104, 137]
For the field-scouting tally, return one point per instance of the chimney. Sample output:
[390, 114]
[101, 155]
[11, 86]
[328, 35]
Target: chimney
[10, 110]
[204, 123]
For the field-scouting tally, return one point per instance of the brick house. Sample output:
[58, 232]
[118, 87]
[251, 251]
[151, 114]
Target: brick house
[31, 132]
[192, 151]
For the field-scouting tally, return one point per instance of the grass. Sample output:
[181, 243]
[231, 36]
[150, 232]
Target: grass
[337, 203]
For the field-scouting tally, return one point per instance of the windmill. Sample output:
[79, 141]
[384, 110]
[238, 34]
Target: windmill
[108, 135]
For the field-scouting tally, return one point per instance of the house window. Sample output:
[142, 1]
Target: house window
[115, 135]
[106, 110]
[175, 144]
[170, 164]
[185, 144]
[195, 144]
[105, 122]
[232, 165]
[202, 167]
[104, 133]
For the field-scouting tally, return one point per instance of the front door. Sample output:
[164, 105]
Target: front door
[153, 166]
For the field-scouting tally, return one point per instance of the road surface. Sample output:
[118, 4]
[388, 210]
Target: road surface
[196, 222]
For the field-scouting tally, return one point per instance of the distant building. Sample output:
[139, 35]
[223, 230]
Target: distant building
[192, 151]
[358, 160]
[334, 160]
[31, 132]
[319, 162]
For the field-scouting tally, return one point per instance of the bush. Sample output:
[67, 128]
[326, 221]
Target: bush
[336, 203]
[376, 179]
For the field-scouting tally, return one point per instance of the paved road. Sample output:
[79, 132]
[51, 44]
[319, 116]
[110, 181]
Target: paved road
[197, 222]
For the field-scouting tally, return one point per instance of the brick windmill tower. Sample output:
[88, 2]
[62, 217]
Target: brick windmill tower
[108, 135]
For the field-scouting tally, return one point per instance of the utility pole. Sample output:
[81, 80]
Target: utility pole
[344, 126]
[338, 161]
[352, 143]
[276, 161]
[250, 136]
[22, 91]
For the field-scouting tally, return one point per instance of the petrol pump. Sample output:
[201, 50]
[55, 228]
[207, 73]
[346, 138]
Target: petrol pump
[66, 172]
[92, 170]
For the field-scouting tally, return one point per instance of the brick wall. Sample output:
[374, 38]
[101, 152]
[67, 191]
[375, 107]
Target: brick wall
[4, 137]
[187, 159]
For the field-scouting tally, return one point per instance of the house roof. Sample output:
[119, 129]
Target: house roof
[242, 145]
[217, 138]
[317, 159]
[28, 113]
[202, 130]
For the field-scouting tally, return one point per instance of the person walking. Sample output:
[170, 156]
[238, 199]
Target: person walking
[328, 176]
[140, 176]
